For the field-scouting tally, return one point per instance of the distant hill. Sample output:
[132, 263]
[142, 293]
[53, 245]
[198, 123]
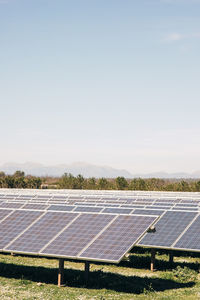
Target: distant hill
[87, 170]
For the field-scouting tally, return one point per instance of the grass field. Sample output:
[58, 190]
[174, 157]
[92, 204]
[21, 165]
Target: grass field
[36, 278]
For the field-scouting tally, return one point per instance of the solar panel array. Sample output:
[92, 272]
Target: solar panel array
[178, 212]
[168, 229]
[68, 234]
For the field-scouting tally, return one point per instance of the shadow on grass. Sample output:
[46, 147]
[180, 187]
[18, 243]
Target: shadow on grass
[98, 279]
[143, 262]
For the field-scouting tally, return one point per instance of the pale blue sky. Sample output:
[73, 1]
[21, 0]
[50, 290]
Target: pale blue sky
[107, 82]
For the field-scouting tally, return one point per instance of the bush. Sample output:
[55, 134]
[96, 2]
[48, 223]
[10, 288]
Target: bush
[185, 274]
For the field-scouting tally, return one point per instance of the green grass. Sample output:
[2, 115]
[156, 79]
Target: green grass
[36, 278]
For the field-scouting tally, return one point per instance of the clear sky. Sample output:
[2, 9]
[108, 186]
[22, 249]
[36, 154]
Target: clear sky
[109, 82]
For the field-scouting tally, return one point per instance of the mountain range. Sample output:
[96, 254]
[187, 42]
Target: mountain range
[87, 170]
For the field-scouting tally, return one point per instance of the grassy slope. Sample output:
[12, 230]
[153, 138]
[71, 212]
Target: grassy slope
[36, 278]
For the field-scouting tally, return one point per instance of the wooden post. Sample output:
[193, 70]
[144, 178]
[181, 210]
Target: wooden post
[171, 257]
[61, 272]
[153, 254]
[87, 270]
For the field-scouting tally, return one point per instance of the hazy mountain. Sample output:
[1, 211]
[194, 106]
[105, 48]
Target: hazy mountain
[87, 170]
[166, 175]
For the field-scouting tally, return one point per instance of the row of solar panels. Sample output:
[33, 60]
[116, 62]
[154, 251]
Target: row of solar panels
[97, 207]
[175, 229]
[84, 236]
[101, 208]
[115, 195]
[102, 192]
[118, 203]
[88, 198]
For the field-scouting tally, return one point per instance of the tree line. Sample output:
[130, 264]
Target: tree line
[68, 181]
[19, 180]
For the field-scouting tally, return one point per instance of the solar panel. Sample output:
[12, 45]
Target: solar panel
[155, 212]
[190, 240]
[75, 198]
[185, 208]
[41, 232]
[85, 204]
[143, 202]
[158, 207]
[132, 206]
[188, 201]
[14, 224]
[118, 238]
[60, 197]
[11, 205]
[9, 197]
[163, 204]
[107, 199]
[61, 207]
[168, 229]
[25, 197]
[45, 197]
[88, 209]
[4, 213]
[108, 205]
[35, 206]
[117, 210]
[186, 205]
[73, 239]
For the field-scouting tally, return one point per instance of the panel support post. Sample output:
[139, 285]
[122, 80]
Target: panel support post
[87, 270]
[171, 257]
[61, 272]
[153, 255]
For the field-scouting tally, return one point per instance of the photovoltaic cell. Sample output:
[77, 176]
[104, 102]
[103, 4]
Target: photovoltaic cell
[191, 238]
[14, 224]
[118, 238]
[40, 233]
[73, 239]
[168, 229]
